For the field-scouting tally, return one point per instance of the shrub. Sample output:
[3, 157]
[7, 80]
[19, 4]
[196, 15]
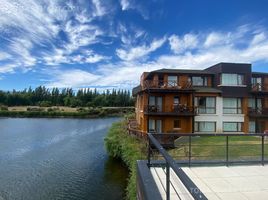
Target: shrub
[120, 145]
[35, 109]
[3, 108]
[45, 104]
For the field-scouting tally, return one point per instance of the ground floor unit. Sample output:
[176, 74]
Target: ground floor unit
[203, 124]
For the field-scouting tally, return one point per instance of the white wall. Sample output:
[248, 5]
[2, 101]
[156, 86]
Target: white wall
[219, 117]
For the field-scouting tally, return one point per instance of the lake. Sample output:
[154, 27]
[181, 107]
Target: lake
[58, 159]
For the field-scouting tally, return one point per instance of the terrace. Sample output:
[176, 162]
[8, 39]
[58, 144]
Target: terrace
[205, 166]
[177, 110]
[258, 112]
[167, 85]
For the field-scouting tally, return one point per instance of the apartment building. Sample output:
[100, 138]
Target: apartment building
[224, 98]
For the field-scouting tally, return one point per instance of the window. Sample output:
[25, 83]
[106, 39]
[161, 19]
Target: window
[256, 83]
[232, 126]
[176, 100]
[172, 81]
[232, 79]
[205, 127]
[252, 127]
[199, 81]
[155, 126]
[232, 106]
[206, 105]
[155, 103]
[255, 103]
[177, 124]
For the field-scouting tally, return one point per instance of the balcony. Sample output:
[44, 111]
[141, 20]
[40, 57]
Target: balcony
[256, 88]
[168, 85]
[176, 110]
[258, 112]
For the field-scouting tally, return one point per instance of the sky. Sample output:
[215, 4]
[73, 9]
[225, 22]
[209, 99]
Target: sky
[109, 43]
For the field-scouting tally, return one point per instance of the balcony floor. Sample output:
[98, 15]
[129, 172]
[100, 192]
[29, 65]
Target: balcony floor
[219, 183]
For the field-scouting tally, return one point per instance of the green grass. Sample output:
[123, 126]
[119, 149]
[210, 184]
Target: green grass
[129, 149]
[214, 147]
[80, 113]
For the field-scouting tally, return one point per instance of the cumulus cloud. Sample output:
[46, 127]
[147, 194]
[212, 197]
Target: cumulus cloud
[137, 52]
[72, 78]
[187, 42]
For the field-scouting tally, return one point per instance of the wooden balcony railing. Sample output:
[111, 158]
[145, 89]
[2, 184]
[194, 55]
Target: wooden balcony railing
[259, 87]
[175, 110]
[258, 112]
[150, 84]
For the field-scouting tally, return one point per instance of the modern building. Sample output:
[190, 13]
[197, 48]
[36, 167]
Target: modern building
[226, 97]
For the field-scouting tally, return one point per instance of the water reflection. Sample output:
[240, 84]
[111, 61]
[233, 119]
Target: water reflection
[58, 159]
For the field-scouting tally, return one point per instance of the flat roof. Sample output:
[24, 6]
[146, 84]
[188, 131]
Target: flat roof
[218, 182]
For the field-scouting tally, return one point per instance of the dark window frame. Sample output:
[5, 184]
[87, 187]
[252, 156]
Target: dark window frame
[238, 74]
[204, 81]
[205, 107]
[242, 124]
[238, 109]
[198, 126]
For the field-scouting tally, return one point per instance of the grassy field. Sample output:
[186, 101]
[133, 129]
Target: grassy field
[60, 111]
[214, 148]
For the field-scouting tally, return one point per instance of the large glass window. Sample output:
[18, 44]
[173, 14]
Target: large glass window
[252, 126]
[205, 126]
[205, 105]
[155, 103]
[255, 103]
[232, 79]
[256, 83]
[155, 126]
[232, 126]
[199, 81]
[172, 81]
[232, 106]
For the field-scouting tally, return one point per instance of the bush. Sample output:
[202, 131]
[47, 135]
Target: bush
[52, 109]
[81, 110]
[45, 104]
[120, 145]
[35, 109]
[4, 108]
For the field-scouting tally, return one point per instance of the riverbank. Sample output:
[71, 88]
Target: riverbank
[129, 149]
[65, 112]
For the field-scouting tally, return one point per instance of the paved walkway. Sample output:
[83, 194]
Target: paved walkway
[224, 183]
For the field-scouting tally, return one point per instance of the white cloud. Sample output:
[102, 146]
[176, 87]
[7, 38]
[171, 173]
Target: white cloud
[214, 39]
[100, 9]
[140, 51]
[125, 4]
[134, 5]
[261, 37]
[72, 78]
[7, 68]
[4, 56]
[187, 42]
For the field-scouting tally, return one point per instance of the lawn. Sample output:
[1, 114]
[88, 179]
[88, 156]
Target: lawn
[214, 148]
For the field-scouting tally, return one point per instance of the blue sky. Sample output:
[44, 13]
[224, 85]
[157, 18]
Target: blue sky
[109, 43]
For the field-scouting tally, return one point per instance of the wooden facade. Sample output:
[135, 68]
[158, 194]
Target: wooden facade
[188, 101]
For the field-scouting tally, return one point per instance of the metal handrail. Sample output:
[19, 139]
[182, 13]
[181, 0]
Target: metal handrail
[188, 183]
[160, 84]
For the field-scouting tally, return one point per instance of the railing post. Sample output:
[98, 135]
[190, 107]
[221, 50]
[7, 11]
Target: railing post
[167, 181]
[190, 150]
[227, 150]
[149, 152]
[262, 150]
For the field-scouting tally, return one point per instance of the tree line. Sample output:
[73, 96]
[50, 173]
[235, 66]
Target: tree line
[42, 96]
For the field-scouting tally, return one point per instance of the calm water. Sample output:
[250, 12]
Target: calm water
[58, 159]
